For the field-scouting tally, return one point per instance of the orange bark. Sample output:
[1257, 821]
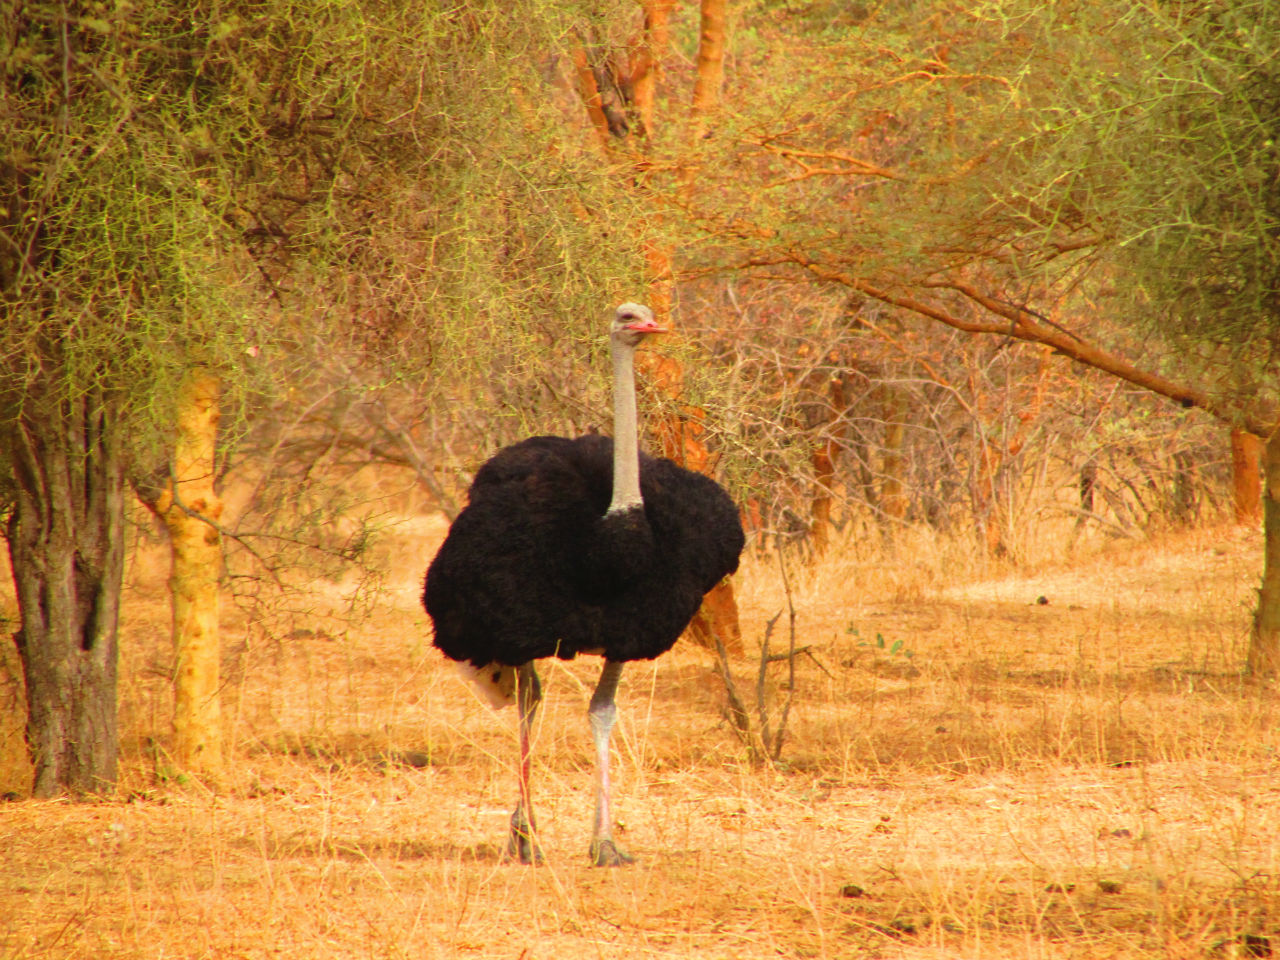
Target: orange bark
[190, 507]
[710, 76]
[589, 90]
[1246, 475]
[646, 63]
[718, 616]
[680, 435]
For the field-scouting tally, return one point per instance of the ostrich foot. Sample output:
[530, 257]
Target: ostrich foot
[605, 853]
[521, 847]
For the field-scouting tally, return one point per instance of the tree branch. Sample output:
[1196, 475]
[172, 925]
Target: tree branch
[1022, 324]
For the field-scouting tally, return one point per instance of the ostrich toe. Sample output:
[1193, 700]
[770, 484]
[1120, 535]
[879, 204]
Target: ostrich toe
[605, 853]
[521, 846]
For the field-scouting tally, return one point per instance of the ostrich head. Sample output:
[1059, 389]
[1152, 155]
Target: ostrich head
[632, 322]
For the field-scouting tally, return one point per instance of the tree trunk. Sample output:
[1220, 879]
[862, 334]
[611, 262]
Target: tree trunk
[1088, 485]
[646, 65]
[1246, 476]
[66, 545]
[718, 617]
[893, 487]
[710, 68]
[190, 507]
[1088, 490]
[589, 91]
[824, 472]
[824, 468]
[719, 613]
[1185, 505]
[679, 433]
[15, 758]
[1264, 644]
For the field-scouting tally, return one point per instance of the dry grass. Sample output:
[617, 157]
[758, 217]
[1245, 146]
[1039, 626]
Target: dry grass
[1084, 778]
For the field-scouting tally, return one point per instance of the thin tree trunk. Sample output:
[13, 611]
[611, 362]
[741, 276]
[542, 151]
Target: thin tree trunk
[1264, 644]
[719, 613]
[190, 507]
[646, 65]
[589, 91]
[1088, 487]
[1246, 476]
[893, 490]
[824, 469]
[824, 472]
[710, 70]
[679, 434]
[892, 495]
[717, 618]
[66, 546]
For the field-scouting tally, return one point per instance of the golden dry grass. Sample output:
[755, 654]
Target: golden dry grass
[1088, 777]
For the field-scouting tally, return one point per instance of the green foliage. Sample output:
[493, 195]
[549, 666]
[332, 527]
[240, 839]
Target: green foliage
[120, 265]
[1042, 149]
[289, 192]
[1162, 137]
[1110, 167]
[395, 209]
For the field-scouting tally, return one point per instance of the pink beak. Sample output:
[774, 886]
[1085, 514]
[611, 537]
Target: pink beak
[646, 326]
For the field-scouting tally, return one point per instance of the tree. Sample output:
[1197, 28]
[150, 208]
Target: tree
[234, 191]
[107, 256]
[65, 540]
[968, 178]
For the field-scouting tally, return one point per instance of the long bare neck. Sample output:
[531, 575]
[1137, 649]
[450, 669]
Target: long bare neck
[626, 440]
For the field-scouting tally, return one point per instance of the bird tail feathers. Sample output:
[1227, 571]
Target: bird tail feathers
[495, 681]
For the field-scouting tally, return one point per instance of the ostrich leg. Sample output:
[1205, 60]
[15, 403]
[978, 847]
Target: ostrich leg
[602, 713]
[521, 845]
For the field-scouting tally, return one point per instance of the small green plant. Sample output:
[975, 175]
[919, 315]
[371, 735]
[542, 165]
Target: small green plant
[895, 649]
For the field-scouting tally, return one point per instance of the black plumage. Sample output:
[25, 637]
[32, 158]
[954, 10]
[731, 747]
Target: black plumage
[534, 566]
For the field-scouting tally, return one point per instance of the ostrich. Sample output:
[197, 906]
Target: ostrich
[572, 546]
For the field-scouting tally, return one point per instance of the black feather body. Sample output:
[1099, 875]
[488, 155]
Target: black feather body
[536, 565]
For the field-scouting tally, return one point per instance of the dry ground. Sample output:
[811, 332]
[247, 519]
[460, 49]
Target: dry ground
[1086, 777]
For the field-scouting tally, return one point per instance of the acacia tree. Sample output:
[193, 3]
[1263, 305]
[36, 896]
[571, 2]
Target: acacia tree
[1150, 167]
[1018, 169]
[294, 199]
[110, 262]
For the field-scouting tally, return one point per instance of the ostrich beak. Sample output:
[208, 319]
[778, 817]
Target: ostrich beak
[646, 326]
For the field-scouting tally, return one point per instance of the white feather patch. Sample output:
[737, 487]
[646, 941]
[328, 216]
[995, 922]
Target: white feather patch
[495, 681]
